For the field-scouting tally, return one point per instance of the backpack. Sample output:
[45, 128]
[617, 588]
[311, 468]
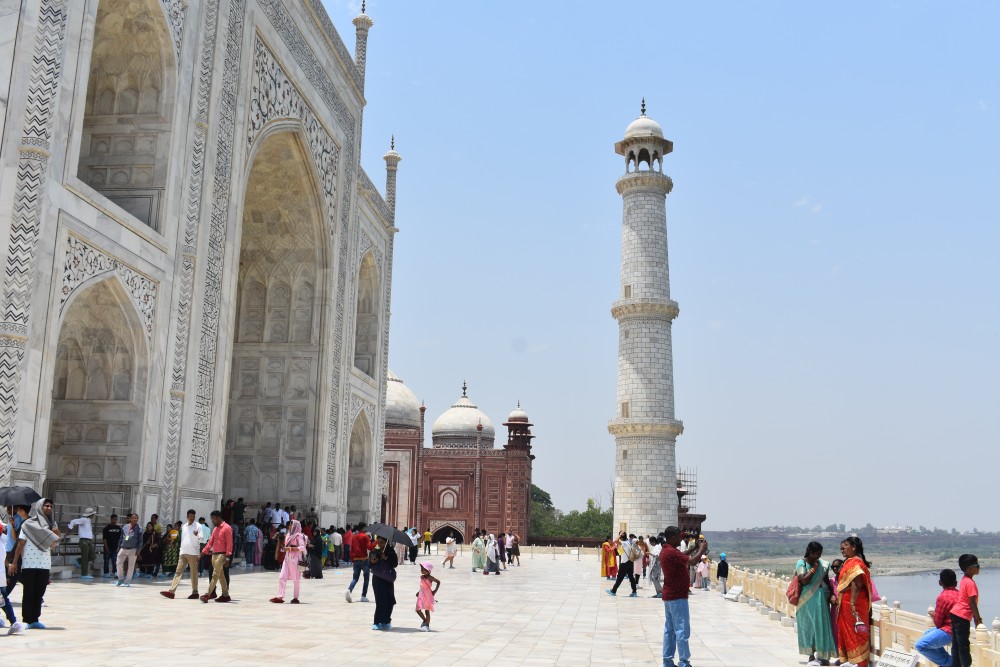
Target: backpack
[634, 552]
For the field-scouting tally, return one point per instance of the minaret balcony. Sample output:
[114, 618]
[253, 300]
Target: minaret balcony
[644, 180]
[645, 426]
[665, 308]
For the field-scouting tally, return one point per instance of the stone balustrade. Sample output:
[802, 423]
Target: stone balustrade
[892, 627]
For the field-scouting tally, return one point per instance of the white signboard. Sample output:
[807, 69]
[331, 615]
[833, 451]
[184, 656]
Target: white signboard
[891, 658]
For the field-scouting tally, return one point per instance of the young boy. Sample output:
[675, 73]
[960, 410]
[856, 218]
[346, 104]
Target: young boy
[934, 641]
[965, 611]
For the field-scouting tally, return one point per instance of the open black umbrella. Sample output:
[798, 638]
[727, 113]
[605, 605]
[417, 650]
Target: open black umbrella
[18, 495]
[391, 534]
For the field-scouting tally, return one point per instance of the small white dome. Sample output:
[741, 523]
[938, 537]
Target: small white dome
[517, 415]
[459, 424]
[401, 405]
[643, 126]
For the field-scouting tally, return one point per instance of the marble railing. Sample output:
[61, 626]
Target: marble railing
[892, 627]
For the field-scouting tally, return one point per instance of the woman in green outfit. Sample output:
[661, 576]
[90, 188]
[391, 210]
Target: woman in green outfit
[478, 553]
[171, 549]
[812, 613]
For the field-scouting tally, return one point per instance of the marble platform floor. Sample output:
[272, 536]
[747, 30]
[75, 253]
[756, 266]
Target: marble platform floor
[546, 612]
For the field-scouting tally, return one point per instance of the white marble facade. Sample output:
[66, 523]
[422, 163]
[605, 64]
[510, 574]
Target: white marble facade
[197, 271]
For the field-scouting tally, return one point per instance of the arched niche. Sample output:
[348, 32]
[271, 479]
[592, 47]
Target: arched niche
[272, 432]
[442, 534]
[128, 111]
[361, 457]
[366, 323]
[98, 394]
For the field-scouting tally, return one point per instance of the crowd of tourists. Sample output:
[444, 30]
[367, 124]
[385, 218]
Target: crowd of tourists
[833, 609]
[276, 538]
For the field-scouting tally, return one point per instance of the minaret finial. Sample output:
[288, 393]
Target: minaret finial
[392, 142]
[464, 387]
[519, 404]
[643, 106]
[362, 6]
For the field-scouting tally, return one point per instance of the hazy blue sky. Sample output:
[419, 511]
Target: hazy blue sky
[834, 239]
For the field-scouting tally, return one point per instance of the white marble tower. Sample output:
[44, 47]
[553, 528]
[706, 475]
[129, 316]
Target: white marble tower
[644, 427]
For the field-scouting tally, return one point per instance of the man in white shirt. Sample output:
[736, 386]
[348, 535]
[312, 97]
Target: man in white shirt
[191, 541]
[85, 530]
[281, 517]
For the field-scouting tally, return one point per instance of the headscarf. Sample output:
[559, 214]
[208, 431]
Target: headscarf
[38, 527]
[491, 552]
[294, 538]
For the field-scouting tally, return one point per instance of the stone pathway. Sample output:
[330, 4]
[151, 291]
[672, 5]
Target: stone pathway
[547, 612]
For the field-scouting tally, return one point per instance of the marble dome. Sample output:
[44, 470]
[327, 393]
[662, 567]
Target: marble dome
[643, 126]
[458, 424]
[401, 405]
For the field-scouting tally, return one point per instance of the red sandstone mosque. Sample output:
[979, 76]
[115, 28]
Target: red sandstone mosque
[463, 481]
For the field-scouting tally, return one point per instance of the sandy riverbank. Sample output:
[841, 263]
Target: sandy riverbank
[884, 564]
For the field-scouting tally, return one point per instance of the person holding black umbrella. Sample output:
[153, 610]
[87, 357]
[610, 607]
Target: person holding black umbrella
[383, 562]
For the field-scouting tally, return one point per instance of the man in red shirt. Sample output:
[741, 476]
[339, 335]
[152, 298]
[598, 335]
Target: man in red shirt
[932, 644]
[360, 544]
[677, 621]
[220, 546]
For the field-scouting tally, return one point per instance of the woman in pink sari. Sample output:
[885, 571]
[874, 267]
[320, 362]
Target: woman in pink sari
[295, 547]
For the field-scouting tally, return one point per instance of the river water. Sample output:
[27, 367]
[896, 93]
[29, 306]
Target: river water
[916, 592]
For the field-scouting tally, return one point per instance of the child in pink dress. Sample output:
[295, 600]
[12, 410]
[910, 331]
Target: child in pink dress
[425, 597]
[295, 547]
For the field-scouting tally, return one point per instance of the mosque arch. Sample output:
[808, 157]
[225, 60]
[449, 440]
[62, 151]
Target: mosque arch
[442, 533]
[98, 394]
[129, 108]
[273, 434]
[366, 322]
[361, 459]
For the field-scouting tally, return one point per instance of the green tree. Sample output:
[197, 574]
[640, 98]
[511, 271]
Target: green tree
[547, 521]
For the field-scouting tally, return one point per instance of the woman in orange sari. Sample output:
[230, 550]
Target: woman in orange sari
[609, 564]
[854, 593]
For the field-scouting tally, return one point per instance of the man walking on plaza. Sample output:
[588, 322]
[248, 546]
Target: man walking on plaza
[630, 552]
[85, 531]
[677, 621]
[220, 546]
[188, 557]
[655, 572]
[112, 537]
[360, 544]
[128, 552]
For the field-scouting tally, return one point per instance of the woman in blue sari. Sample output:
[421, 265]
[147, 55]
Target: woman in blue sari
[812, 613]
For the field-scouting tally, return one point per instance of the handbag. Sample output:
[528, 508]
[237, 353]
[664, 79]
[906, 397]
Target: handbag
[382, 570]
[794, 590]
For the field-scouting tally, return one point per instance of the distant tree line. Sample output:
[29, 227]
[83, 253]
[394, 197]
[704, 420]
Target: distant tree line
[547, 521]
[867, 530]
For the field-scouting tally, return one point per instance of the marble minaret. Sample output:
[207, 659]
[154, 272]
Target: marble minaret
[644, 427]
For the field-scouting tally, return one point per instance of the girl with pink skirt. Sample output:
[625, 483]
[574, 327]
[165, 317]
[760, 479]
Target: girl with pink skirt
[425, 597]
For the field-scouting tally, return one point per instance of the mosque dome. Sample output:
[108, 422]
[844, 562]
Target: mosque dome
[401, 405]
[458, 425]
[518, 415]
